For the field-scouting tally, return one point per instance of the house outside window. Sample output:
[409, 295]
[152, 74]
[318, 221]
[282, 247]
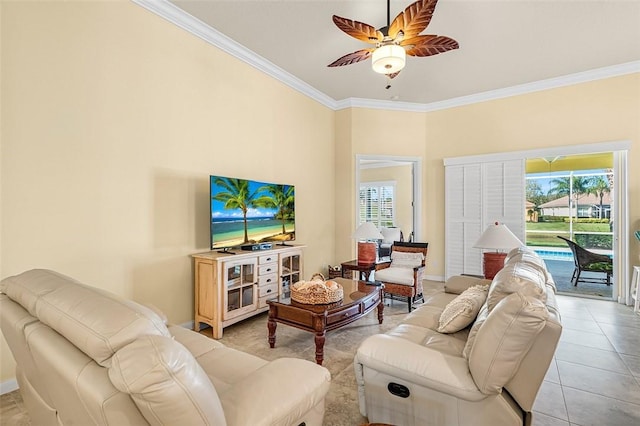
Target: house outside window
[574, 204]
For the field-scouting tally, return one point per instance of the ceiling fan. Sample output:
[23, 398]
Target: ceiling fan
[396, 40]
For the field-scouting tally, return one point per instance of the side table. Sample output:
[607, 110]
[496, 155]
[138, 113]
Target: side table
[365, 269]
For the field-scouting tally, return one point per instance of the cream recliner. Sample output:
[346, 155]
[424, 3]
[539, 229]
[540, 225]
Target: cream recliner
[88, 357]
[474, 357]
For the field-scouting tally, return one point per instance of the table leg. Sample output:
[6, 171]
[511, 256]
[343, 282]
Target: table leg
[320, 338]
[381, 309]
[271, 325]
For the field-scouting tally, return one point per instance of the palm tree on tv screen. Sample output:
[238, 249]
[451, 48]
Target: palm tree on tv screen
[282, 198]
[237, 195]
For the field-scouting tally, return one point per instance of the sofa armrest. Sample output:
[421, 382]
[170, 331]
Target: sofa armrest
[278, 393]
[459, 283]
[417, 364]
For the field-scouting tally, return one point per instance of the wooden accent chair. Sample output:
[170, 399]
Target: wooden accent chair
[587, 261]
[403, 276]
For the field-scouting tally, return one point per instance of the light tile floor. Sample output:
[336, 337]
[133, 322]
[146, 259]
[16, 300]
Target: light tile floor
[594, 378]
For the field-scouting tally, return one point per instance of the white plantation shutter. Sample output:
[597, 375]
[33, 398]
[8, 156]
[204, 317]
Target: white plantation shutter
[504, 195]
[463, 193]
[477, 194]
[377, 203]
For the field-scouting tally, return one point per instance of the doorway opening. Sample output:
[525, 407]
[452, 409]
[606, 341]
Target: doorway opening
[571, 198]
[388, 192]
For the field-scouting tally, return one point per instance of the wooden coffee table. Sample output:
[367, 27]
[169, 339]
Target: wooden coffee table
[360, 298]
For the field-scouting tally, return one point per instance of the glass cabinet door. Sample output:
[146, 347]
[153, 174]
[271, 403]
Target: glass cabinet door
[291, 272]
[240, 287]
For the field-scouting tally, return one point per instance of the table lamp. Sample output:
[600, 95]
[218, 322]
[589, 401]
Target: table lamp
[496, 237]
[367, 234]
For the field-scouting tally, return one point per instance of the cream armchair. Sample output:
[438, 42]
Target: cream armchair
[88, 357]
[390, 235]
[403, 276]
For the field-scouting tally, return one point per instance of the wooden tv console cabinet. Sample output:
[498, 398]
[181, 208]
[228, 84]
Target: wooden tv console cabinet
[232, 287]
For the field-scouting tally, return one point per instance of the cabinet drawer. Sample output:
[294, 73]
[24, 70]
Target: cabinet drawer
[371, 301]
[267, 290]
[267, 258]
[343, 315]
[270, 268]
[267, 279]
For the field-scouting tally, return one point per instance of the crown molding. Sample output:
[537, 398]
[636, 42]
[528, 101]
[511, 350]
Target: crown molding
[182, 19]
[522, 89]
[179, 17]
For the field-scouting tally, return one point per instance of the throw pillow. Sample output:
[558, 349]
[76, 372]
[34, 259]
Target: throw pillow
[389, 235]
[406, 260]
[462, 310]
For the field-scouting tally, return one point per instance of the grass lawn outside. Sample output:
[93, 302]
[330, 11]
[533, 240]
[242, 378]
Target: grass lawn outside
[545, 233]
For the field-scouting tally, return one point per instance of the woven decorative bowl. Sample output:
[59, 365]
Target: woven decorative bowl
[317, 291]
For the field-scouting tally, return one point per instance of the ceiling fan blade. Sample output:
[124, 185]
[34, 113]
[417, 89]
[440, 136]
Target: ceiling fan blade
[359, 30]
[414, 19]
[352, 58]
[433, 46]
[413, 41]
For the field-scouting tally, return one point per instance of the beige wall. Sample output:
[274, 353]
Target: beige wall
[344, 187]
[112, 120]
[599, 111]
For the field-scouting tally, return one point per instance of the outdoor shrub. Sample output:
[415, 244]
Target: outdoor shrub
[548, 218]
[591, 241]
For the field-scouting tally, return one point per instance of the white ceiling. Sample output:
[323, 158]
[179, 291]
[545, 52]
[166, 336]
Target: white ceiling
[503, 43]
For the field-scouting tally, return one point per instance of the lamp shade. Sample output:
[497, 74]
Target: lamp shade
[388, 59]
[367, 231]
[498, 237]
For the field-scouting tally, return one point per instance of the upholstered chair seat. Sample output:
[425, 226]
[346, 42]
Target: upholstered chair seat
[403, 275]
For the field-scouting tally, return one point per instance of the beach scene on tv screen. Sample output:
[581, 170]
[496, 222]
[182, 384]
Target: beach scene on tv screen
[246, 211]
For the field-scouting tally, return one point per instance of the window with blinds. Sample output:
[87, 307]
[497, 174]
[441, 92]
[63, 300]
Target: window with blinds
[377, 203]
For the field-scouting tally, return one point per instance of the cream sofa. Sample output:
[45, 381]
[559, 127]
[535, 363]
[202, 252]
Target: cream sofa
[87, 357]
[434, 369]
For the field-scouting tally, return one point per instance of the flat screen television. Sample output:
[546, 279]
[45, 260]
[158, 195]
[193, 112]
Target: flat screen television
[247, 212]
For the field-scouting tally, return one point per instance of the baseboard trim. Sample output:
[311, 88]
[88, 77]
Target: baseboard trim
[433, 278]
[8, 386]
[188, 325]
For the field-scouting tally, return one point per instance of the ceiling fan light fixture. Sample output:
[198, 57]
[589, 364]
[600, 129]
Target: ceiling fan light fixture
[388, 59]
